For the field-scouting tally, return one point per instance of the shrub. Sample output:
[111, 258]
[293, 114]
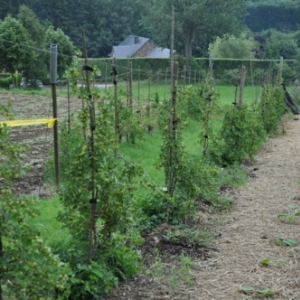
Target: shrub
[231, 46]
[240, 137]
[6, 79]
[279, 44]
[28, 267]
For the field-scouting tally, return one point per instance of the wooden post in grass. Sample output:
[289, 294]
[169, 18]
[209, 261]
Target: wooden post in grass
[157, 80]
[106, 76]
[139, 83]
[210, 65]
[166, 80]
[53, 81]
[242, 85]
[130, 87]
[69, 107]
[210, 70]
[148, 107]
[127, 82]
[280, 71]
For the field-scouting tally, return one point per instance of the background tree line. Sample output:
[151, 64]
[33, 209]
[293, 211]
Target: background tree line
[233, 28]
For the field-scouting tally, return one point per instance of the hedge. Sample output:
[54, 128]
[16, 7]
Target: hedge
[145, 67]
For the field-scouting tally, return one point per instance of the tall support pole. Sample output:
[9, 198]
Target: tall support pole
[127, 82]
[172, 49]
[130, 86]
[280, 70]
[166, 80]
[118, 136]
[242, 85]
[148, 108]
[184, 74]
[106, 76]
[172, 112]
[139, 86]
[69, 108]
[93, 238]
[53, 81]
[210, 70]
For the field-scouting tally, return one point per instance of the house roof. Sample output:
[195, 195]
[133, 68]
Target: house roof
[130, 45]
[134, 40]
[123, 51]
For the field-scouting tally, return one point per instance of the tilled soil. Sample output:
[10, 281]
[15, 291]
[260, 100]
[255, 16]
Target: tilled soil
[39, 138]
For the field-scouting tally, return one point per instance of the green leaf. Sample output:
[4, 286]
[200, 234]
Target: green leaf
[246, 289]
[282, 215]
[290, 242]
[265, 261]
[297, 214]
[293, 206]
[265, 292]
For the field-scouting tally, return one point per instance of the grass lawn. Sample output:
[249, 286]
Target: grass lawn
[47, 224]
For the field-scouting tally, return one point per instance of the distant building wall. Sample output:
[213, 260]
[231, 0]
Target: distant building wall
[144, 49]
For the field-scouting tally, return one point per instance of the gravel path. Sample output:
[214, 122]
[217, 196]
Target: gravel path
[248, 230]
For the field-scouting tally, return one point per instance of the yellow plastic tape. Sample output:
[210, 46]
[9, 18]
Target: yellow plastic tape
[14, 123]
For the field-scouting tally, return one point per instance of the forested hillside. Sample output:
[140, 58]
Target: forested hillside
[105, 22]
[198, 23]
[282, 15]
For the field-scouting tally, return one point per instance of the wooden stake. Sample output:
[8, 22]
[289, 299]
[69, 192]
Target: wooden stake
[93, 201]
[130, 87]
[166, 80]
[106, 76]
[69, 108]
[172, 112]
[172, 47]
[242, 85]
[53, 80]
[55, 134]
[148, 108]
[139, 79]
[116, 106]
[280, 71]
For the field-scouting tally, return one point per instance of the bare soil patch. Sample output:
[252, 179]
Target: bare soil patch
[39, 138]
